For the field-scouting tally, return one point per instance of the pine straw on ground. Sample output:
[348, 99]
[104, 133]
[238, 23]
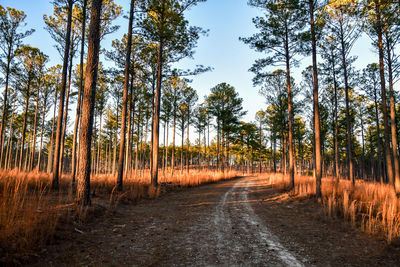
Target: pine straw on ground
[31, 213]
[370, 206]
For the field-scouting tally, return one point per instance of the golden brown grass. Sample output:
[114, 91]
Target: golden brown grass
[368, 205]
[30, 212]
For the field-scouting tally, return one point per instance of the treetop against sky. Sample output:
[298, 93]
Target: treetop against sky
[225, 20]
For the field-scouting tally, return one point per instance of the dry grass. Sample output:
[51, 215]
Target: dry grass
[30, 212]
[28, 217]
[370, 206]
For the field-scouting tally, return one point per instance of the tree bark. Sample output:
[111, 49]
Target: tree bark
[34, 131]
[83, 186]
[156, 125]
[120, 171]
[56, 161]
[4, 116]
[350, 170]
[393, 118]
[79, 103]
[388, 155]
[24, 125]
[317, 135]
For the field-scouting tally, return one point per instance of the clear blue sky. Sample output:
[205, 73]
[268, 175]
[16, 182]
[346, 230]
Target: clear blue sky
[226, 20]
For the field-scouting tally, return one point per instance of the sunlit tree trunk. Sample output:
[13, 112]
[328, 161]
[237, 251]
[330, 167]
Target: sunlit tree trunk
[28, 92]
[65, 118]
[83, 177]
[393, 117]
[57, 150]
[389, 162]
[79, 103]
[121, 158]
[350, 171]
[35, 122]
[51, 146]
[317, 137]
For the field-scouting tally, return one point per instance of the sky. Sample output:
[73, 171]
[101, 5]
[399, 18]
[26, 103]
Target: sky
[226, 21]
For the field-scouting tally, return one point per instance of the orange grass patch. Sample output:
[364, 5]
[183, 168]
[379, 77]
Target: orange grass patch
[30, 211]
[368, 205]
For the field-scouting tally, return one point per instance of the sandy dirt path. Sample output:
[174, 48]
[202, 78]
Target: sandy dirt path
[242, 222]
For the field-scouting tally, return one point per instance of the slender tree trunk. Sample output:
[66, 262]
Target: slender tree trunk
[9, 142]
[24, 125]
[4, 114]
[188, 142]
[173, 143]
[336, 161]
[363, 147]
[120, 171]
[79, 103]
[64, 128]
[51, 147]
[317, 135]
[183, 134]
[115, 140]
[156, 125]
[137, 143]
[34, 130]
[166, 147]
[83, 177]
[393, 118]
[56, 161]
[378, 137]
[99, 145]
[389, 162]
[41, 134]
[348, 122]
[290, 110]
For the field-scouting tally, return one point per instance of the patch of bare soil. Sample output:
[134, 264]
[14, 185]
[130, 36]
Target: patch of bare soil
[239, 222]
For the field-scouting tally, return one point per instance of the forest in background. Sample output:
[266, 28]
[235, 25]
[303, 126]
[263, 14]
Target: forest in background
[338, 121]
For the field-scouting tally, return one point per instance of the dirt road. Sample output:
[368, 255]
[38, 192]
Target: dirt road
[242, 222]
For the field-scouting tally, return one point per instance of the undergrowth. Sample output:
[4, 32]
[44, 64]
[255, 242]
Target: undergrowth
[30, 211]
[370, 206]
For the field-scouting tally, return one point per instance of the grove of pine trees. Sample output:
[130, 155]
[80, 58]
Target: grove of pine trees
[129, 114]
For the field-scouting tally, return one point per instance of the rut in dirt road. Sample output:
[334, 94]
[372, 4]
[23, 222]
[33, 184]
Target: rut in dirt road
[242, 238]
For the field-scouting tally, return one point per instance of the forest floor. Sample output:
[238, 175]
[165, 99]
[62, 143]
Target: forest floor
[242, 222]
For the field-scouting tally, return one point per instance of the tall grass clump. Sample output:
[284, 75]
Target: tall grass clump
[368, 205]
[26, 219]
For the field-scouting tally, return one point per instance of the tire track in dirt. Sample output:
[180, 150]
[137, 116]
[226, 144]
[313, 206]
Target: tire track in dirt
[242, 238]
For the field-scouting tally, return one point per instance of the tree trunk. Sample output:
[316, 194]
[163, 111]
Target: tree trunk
[336, 161]
[41, 134]
[393, 119]
[83, 178]
[99, 145]
[56, 161]
[183, 134]
[24, 125]
[317, 136]
[348, 122]
[173, 143]
[187, 141]
[35, 130]
[51, 147]
[389, 163]
[7, 165]
[120, 171]
[79, 103]
[290, 111]
[64, 130]
[156, 124]
[4, 116]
